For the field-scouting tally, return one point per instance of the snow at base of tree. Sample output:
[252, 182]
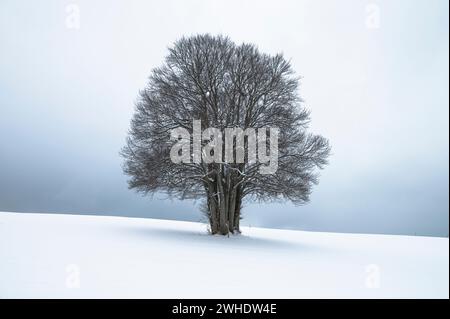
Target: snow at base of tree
[70, 256]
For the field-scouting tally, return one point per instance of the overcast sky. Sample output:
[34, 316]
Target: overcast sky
[375, 76]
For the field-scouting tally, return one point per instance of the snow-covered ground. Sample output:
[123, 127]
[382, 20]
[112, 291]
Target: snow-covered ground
[65, 256]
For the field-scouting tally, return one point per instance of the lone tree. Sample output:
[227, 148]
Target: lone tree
[224, 85]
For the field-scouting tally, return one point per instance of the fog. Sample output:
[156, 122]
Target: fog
[374, 75]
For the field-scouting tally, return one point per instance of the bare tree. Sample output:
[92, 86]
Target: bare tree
[210, 78]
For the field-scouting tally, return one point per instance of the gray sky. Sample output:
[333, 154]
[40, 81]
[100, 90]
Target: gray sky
[375, 76]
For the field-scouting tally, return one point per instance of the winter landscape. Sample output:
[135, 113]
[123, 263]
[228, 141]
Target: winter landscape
[224, 149]
[68, 256]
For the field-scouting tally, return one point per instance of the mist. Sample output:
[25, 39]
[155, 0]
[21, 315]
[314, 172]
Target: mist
[374, 75]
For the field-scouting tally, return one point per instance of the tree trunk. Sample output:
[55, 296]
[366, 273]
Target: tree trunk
[224, 202]
[213, 211]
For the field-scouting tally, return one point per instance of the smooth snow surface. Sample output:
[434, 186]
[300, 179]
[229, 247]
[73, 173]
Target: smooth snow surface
[69, 256]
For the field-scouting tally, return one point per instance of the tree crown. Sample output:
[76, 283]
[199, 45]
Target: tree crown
[225, 85]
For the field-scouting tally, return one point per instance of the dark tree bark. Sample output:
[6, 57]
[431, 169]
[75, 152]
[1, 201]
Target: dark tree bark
[225, 86]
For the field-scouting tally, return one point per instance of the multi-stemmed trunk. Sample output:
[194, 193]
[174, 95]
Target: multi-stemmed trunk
[224, 201]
